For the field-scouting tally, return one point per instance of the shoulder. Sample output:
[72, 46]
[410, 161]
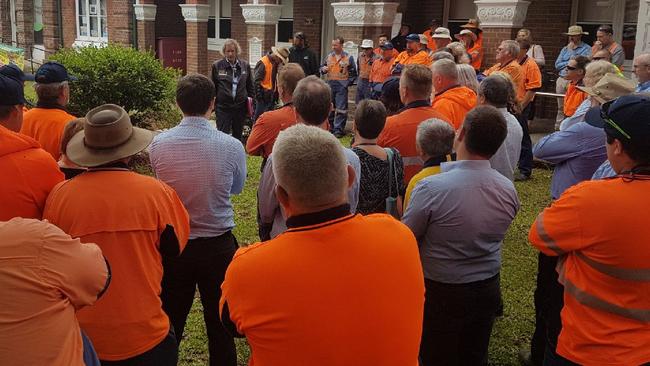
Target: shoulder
[351, 156]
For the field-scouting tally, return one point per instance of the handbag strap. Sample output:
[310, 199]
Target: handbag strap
[389, 157]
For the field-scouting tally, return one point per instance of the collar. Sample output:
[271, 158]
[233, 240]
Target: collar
[506, 64]
[435, 161]
[645, 84]
[416, 104]
[465, 165]
[194, 121]
[116, 165]
[46, 105]
[315, 218]
[288, 104]
[445, 90]
[236, 64]
[523, 60]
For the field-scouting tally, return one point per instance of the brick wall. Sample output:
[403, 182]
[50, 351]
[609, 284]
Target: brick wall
[307, 18]
[197, 48]
[25, 25]
[169, 19]
[419, 13]
[492, 38]
[146, 35]
[69, 23]
[120, 21]
[238, 27]
[5, 23]
[51, 36]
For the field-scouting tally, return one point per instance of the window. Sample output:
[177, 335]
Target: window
[620, 14]
[91, 21]
[459, 12]
[285, 23]
[38, 21]
[219, 20]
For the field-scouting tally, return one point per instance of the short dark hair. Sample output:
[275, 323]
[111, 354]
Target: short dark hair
[485, 130]
[638, 149]
[340, 39]
[194, 93]
[313, 100]
[605, 28]
[524, 44]
[289, 75]
[370, 118]
[70, 129]
[495, 90]
[581, 62]
[382, 35]
[5, 111]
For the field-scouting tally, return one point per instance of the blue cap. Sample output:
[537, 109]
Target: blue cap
[390, 88]
[387, 46]
[624, 118]
[52, 72]
[13, 71]
[413, 37]
[11, 90]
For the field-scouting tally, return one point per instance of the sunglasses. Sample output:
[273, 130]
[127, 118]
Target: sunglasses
[605, 116]
[571, 68]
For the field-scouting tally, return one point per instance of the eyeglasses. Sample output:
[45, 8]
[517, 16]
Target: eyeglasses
[571, 68]
[605, 116]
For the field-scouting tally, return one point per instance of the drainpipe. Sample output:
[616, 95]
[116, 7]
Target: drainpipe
[134, 29]
[60, 21]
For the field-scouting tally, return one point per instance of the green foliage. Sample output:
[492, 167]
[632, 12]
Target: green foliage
[135, 80]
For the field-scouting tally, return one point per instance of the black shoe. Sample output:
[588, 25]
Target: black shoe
[520, 177]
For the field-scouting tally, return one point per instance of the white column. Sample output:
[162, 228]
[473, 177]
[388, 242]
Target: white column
[501, 14]
[360, 14]
[145, 12]
[265, 14]
[643, 28]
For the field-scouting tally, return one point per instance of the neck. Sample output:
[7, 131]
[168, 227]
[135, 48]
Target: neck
[300, 210]
[505, 62]
[410, 100]
[358, 140]
[286, 98]
[463, 154]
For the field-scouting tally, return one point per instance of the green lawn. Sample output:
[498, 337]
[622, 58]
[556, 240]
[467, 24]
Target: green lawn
[511, 332]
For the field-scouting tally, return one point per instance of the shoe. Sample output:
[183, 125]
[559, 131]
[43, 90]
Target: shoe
[525, 357]
[520, 177]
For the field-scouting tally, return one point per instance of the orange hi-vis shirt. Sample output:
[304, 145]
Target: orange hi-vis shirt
[476, 53]
[29, 174]
[267, 82]
[337, 290]
[378, 51]
[44, 277]
[600, 231]
[516, 73]
[365, 65]
[431, 42]
[399, 132]
[338, 67]
[419, 58]
[532, 76]
[266, 130]
[381, 70]
[572, 99]
[125, 213]
[454, 103]
[46, 126]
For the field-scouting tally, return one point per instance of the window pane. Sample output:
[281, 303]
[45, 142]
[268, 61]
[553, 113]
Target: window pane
[461, 9]
[224, 28]
[211, 27]
[104, 28]
[38, 21]
[629, 40]
[103, 7]
[213, 8]
[94, 27]
[83, 27]
[285, 30]
[287, 9]
[93, 7]
[225, 8]
[595, 11]
[631, 11]
[83, 10]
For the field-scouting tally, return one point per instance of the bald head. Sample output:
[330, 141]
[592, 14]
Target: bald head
[445, 75]
[641, 67]
[312, 99]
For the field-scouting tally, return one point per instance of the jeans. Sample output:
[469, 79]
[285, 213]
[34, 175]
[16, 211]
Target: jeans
[526, 156]
[339, 117]
[458, 321]
[232, 119]
[261, 107]
[203, 262]
[549, 301]
[363, 90]
[163, 354]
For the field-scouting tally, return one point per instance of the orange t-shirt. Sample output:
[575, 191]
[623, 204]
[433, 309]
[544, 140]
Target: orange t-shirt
[314, 296]
[29, 174]
[454, 103]
[419, 58]
[45, 276]
[124, 213]
[516, 73]
[380, 52]
[381, 70]
[532, 75]
[399, 132]
[431, 42]
[46, 126]
[476, 53]
[572, 99]
[266, 130]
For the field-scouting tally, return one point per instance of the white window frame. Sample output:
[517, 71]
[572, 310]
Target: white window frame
[216, 43]
[83, 41]
[278, 43]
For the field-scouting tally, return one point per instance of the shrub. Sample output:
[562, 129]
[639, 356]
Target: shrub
[135, 80]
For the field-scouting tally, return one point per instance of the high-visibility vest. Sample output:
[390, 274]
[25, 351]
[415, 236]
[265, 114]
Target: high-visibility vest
[267, 83]
[337, 68]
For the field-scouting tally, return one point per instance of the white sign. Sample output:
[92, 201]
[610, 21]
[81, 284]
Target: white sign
[254, 50]
[352, 49]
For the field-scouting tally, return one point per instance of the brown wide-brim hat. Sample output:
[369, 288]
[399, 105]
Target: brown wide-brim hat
[471, 24]
[576, 30]
[282, 53]
[610, 87]
[465, 32]
[108, 136]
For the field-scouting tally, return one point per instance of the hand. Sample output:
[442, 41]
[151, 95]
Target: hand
[324, 69]
[598, 46]
[572, 46]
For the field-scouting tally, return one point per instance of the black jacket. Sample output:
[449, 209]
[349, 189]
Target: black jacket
[306, 58]
[259, 73]
[222, 76]
[399, 42]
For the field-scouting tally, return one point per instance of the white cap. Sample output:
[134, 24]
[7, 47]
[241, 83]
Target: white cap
[442, 32]
[367, 43]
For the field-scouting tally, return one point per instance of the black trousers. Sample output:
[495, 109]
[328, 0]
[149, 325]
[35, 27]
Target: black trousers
[549, 301]
[232, 120]
[203, 262]
[526, 156]
[458, 321]
[164, 353]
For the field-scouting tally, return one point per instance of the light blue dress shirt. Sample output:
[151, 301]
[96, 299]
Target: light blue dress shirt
[578, 116]
[460, 218]
[235, 78]
[205, 166]
[605, 170]
[643, 87]
[577, 152]
[269, 208]
[566, 54]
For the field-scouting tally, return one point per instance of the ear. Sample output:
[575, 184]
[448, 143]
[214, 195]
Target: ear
[618, 147]
[283, 197]
[352, 175]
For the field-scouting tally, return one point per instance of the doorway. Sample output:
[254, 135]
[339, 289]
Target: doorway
[329, 28]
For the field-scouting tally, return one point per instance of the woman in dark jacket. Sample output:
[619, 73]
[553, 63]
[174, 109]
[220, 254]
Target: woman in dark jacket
[234, 85]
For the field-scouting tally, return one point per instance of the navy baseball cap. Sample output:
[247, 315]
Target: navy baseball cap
[52, 72]
[413, 37]
[11, 91]
[624, 118]
[390, 88]
[387, 46]
[13, 71]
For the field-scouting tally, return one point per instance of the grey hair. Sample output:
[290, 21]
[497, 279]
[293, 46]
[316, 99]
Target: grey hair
[230, 42]
[510, 46]
[467, 76]
[49, 92]
[496, 90]
[595, 71]
[446, 68]
[435, 137]
[309, 164]
[443, 55]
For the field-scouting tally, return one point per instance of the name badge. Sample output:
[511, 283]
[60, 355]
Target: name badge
[223, 73]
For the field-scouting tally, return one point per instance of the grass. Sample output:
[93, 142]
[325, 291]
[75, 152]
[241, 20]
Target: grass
[511, 332]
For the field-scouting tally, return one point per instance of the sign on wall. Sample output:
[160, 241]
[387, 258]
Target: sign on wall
[254, 50]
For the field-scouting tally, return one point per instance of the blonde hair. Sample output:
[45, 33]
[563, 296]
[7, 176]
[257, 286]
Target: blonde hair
[595, 71]
[309, 164]
[467, 76]
[418, 79]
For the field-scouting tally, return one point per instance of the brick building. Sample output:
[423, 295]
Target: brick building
[197, 28]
